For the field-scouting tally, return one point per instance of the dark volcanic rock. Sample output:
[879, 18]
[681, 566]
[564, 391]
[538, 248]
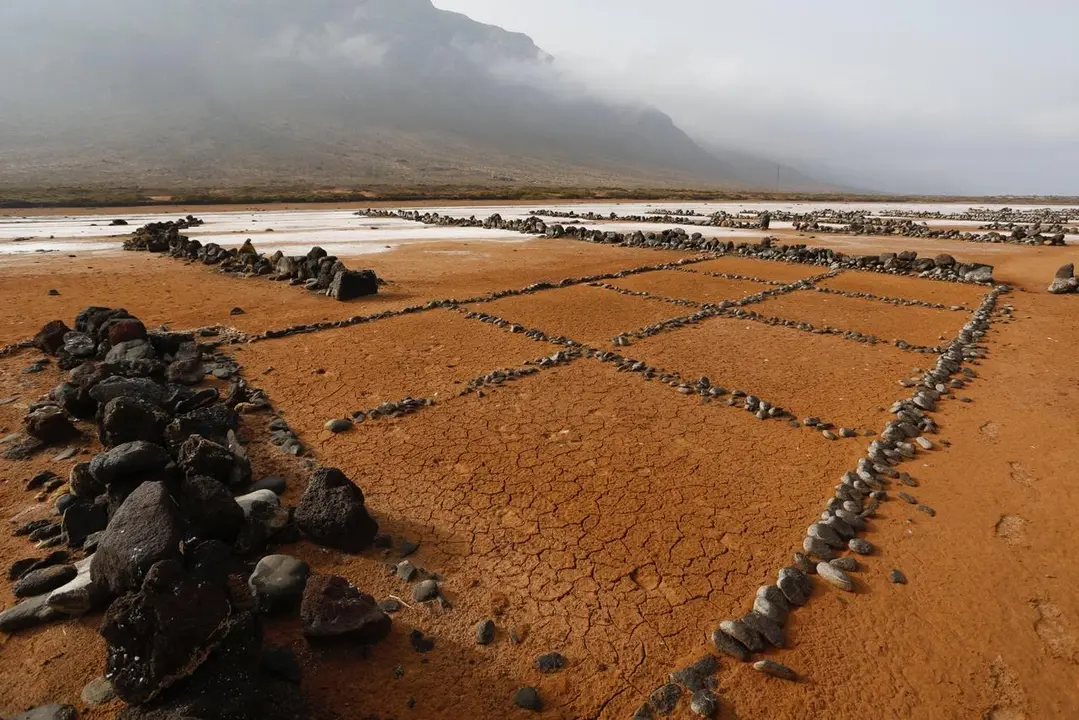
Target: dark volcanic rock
[333, 608]
[278, 582]
[127, 419]
[75, 400]
[50, 338]
[145, 530]
[41, 581]
[83, 518]
[125, 330]
[350, 284]
[141, 388]
[50, 425]
[83, 483]
[212, 423]
[199, 456]
[162, 633]
[210, 509]
[129, 460]
[332, 512]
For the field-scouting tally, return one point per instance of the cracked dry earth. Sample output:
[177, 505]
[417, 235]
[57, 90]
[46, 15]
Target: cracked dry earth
[614, 520]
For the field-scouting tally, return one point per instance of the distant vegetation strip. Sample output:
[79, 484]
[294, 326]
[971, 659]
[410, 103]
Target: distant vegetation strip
[30, 198]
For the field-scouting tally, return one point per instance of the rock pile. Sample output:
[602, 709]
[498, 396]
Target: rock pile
[160, 534]
[317, 271]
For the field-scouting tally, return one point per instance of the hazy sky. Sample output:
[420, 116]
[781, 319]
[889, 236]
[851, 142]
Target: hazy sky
[959, 96]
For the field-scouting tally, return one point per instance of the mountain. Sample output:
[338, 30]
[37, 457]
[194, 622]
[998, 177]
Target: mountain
[183, 93]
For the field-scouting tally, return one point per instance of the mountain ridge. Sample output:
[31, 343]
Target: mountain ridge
[328, 92]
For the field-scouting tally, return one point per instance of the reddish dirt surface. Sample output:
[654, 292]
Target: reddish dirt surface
[586, 314]
[763, 269]
[894, 286]
[916, 325]
[615, 520]
[689, 286]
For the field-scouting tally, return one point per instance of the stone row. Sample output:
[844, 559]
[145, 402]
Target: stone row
[452, 303]
[683, 302]
[943, 267]
[855, 500]
[732, 276]
[910, 228]
[317, 271]
[852, 335]
[903, 302]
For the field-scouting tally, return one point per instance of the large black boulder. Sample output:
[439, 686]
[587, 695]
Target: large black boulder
[127, 419]
[332, 512]
[162, 633]
[145, 530]
[50, 425]
[128, 461]
[333, 609]
[351, 284]
[199, 456]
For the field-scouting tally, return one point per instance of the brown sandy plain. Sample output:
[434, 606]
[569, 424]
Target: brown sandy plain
[612, 519]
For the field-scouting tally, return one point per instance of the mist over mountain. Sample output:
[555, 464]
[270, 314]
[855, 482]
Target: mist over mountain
[244, 92]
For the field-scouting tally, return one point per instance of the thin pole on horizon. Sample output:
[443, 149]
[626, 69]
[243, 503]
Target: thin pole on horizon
[777, 177]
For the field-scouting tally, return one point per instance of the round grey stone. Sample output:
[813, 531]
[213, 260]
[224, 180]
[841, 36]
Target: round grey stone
[795, 585]
[764, 626]
[528, 698]
[743, 634]
[704, 703]
[425, 590]
[278, 581]
[860, 546]
[826, 534]
[770, 667]
[846, 564]
[485, 632]
[339, 425]
[729, 646]
[817, 548]
[835, 577]
[98, 692]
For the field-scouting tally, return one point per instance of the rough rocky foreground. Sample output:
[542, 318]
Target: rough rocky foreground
[567, 568]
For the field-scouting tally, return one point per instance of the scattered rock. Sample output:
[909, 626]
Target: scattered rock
[425, 590]
[50, 425]
[332, 513]
[898, 577]
[98, 692]
[333, 608]
[770, 667]
[862, 547]
[528, 698]
[339, 425]
[550, 662]
[485, 632]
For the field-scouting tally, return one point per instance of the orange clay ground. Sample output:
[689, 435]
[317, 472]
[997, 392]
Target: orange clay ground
[615, 520]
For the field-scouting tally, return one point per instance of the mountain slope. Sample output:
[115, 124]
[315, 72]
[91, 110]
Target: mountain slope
[226, 92]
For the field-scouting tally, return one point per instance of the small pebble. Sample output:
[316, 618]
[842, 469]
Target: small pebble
[860, 546]
[770, 667]
[236, 311]
[550, 662]
[907, 497]
[424, 591]
[485, 632]
[98, 692]
[928, 510]
[829, 435]
[665, 699]
[924, 442]
[339, 425]
[898, 577]
[528, 698]
[846, 564]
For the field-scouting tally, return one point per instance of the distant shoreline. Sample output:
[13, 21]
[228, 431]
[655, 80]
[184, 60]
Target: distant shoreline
[30, 201]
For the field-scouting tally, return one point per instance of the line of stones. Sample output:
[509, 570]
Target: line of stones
[451, 303]
[904, 302]
[856, 498]
[494, 378]
[732, 276]
[943, 267]
[720, 308]
[703, 386]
